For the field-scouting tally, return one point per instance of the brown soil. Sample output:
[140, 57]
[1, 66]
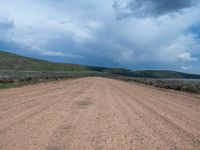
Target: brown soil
[97, 114]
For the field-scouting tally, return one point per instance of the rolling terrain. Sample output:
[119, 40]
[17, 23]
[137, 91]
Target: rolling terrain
[16, 71]
[98, 113]
[9, 61]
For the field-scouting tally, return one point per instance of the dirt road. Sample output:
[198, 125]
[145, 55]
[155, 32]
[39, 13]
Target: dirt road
[97, 114]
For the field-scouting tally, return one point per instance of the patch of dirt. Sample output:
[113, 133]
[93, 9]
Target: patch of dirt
[84, 102]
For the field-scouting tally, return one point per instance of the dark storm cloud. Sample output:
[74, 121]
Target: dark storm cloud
[149, 8]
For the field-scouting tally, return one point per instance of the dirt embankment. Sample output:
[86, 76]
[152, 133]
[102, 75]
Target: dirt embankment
[97, 113]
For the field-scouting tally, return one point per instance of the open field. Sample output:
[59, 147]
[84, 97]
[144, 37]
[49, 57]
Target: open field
[97, 113]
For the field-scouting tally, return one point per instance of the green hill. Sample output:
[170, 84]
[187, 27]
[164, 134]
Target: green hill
[9, 61]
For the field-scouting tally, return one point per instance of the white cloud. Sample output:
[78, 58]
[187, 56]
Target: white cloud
[186, 56]
[68, 28]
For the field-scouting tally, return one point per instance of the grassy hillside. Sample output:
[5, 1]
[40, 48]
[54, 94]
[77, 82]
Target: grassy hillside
[10, 61]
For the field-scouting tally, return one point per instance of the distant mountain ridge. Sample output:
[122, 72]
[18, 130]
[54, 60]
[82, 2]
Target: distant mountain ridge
[9, 61]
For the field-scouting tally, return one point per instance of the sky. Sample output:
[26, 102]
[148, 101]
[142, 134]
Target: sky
[136, 34]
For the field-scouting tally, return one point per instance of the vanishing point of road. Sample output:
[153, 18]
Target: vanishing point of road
[98, 114]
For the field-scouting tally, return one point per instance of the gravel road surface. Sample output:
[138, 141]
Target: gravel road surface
[98, 114]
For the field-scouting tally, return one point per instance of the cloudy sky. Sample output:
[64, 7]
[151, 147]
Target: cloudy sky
[137, 34]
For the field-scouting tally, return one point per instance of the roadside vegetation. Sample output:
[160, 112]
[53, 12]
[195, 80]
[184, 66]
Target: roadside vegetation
[13, 78]
[173, 84]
